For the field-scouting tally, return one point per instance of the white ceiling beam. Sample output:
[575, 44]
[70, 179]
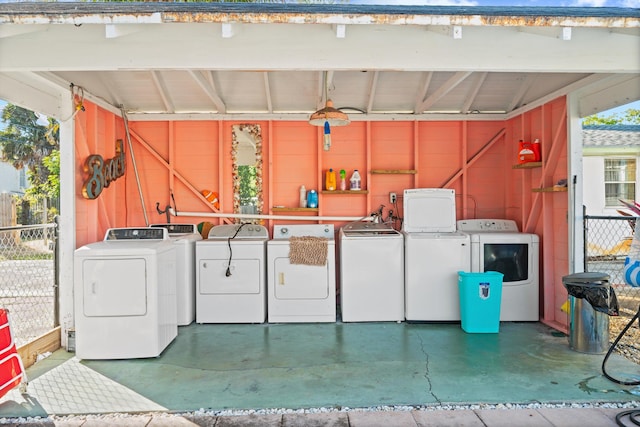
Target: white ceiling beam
[422, 94]
[160, 85]
[456, 32]
[11, 30]
[523, 88]
[449, 85]
[373, 86]
[471, 96]
[209, 89]
[267, 91]
[227, 30]
[112, 31]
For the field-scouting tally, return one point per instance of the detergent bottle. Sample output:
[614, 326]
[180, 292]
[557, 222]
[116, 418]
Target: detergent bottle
[343, 179]
[312, 199]
[330, 180]
[355, 181]
[303, 197]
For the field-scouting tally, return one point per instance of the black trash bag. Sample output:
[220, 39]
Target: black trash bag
[601, 298]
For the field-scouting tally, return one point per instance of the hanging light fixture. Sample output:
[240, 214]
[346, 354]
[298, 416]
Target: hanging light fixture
[328, 114]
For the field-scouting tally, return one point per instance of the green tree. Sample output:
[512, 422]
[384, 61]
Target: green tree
[628, 117]
[26, 144]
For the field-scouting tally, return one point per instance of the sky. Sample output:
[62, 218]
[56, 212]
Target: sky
[526, 3]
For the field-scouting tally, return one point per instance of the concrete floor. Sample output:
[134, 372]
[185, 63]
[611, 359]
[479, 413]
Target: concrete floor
[336, 365]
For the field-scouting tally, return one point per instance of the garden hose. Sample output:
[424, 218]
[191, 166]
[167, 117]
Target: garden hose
[634, 414]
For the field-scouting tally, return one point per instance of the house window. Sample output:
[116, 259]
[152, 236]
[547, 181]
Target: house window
[619, 181]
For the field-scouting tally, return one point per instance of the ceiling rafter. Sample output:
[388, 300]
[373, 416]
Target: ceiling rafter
[516, 101]
[449, 85]
[471, 96]
[426, 82]
[111, 91]
[209, 89]
[267, 91]
[160, 85]
[373, 86]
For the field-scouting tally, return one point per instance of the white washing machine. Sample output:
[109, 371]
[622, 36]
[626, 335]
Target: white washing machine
[231, 275]
[497, 245]
[125, 295]
[184, 237]
[432, 262]
[371, 272]
[434, 253]
[301, 292]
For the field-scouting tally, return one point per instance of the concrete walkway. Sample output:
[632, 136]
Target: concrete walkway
[522, 417]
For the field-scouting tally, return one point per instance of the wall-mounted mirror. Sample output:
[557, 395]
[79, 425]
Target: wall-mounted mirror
[246, 153]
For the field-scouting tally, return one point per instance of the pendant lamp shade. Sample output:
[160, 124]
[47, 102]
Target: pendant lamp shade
[329, 114]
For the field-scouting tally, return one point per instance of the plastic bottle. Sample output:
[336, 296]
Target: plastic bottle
[355, 180]
[312, 199]
[303, 197]
[330, 180]
[537, 155]
[343, 179]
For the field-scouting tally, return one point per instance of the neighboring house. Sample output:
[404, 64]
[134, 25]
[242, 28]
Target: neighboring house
[611, 155]
[12, 180]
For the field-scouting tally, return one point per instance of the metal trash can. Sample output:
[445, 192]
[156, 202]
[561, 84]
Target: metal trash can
[588, 327]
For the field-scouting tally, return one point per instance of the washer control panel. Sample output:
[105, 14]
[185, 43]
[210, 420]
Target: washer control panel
[487, 225]
[136, 234]
[178, 228]
[238, 231]
[299, 230]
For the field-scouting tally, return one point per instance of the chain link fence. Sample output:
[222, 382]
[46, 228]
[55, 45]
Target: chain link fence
[607, 243]
[28, 279]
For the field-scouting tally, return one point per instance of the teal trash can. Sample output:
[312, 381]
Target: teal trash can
[480, 297]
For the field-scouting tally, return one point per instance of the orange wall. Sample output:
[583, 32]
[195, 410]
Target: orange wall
[474, 158]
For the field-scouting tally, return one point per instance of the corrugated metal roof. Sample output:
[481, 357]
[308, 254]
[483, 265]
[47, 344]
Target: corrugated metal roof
[611, 136]
[309, 13]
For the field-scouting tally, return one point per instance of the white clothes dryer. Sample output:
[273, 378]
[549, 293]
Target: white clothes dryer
[125, 295]
[497, 245]
[300, 292]
[371, 273]
[184, 237]
[231, 275]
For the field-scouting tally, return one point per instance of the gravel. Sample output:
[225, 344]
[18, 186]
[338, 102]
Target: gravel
[629, 345]
[113, 418]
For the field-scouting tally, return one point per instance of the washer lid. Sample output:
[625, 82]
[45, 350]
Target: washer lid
[429, 210]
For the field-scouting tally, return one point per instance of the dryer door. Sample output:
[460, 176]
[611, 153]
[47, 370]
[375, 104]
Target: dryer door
[244, 276]
[298, 281]
[114, 287]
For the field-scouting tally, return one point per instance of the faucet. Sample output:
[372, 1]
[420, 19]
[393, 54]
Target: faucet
[377, 215]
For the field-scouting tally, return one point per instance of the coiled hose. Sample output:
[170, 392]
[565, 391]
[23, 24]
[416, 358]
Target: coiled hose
[634, 414]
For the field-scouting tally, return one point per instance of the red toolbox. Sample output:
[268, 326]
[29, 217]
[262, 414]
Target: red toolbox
[11, 369]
